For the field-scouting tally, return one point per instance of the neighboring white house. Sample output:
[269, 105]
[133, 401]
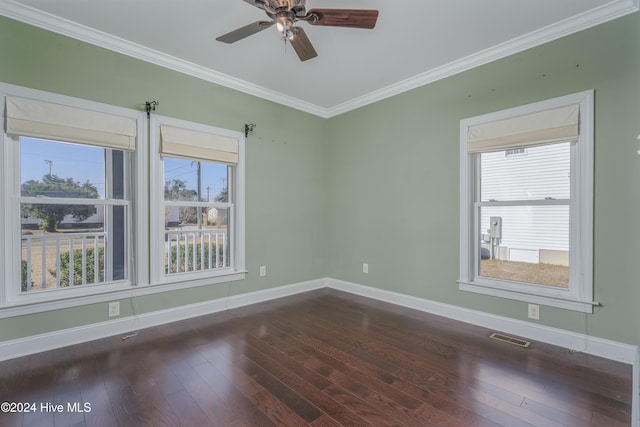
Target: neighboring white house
[528, 233]
[172, 216]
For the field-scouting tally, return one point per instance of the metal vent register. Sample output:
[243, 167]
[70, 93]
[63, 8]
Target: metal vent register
[510, 340]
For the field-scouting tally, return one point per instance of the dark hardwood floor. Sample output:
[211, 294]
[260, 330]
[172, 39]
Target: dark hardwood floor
[323, 358]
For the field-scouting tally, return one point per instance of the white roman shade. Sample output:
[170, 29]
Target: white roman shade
[190, 144]
[542, 127]
[40, 119]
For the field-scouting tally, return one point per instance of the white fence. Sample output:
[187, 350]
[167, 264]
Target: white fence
[50, 260]
[44, 253]
[195, 249]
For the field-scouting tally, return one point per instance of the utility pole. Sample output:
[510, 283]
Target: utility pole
[199, 183]
[199, 209]
[50, 163]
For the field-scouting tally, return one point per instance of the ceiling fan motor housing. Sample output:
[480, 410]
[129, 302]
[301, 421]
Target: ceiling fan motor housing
[295, 6]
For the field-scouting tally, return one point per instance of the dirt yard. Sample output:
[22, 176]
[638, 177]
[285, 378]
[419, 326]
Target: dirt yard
[543, 274]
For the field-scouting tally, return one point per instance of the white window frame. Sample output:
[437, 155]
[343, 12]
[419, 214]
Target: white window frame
[579, 295]
[146, 178]
[10, 296]
[237, 270]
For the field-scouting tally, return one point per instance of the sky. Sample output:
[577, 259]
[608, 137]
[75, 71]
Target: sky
[86, 163]
[213, 176]
[80, 162]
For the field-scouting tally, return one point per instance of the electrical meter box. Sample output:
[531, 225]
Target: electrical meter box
[495, 227]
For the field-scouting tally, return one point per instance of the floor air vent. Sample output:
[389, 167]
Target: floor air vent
[510, 340]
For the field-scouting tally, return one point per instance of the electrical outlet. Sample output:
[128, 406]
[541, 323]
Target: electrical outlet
[263, 270]
[114, 309]
[365, 267]
[534, 311]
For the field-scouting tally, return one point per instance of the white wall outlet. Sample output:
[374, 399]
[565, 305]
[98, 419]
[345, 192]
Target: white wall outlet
[365, 267]
[263, 270]
[534, 311]
[114, 309]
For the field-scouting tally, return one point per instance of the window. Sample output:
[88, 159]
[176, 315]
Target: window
[92, 213]
[199, 192]
[67, 169]
[526, 203]
[60, 227]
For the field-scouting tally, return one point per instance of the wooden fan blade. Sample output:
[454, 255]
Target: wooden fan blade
[302, 44]
[245, 31]
[353, 18]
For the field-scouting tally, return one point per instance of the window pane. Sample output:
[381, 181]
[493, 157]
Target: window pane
[539, 173]
[71, 245]
[59, 169]
[525, 244]
[118, 185]
[189, 180]
[190, 246]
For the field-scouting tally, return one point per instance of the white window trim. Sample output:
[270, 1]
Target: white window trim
[579, 296]
[9, 297]
[237, 233]
[139, 283]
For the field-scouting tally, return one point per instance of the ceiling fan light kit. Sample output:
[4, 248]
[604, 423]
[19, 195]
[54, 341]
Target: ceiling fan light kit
[286, 13]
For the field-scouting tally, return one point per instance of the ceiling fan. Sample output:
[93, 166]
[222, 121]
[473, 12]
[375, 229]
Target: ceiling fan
[285, 13]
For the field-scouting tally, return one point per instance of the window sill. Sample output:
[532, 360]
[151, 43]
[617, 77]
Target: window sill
[190, 280]
[109, 293]
[550, 301]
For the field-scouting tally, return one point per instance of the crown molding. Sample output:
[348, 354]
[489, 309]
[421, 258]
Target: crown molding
[68, 28]
[591, 18]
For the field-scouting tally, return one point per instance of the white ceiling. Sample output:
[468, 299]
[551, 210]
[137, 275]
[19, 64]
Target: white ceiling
[415, 41]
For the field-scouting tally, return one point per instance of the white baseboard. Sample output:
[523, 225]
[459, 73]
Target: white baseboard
[57, 339]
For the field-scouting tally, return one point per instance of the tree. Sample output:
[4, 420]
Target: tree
[176, 190]
[54, 186]
[223, 196]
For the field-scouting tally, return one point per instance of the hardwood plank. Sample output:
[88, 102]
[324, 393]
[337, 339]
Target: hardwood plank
[322, 358]
[447, 335]
[278, 386]
[279, 414]
[223, 406]
[187, 409]
[11, 419]
[315, 396]
[422, 391]
[395, 404]
[222, 358]
[276, 410]
[325, 421]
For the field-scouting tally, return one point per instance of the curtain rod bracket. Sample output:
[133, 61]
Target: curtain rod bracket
[248, 128]
[150, 106]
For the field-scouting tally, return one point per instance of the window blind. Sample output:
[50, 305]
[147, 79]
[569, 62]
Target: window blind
[40, 119]
[542, 127]
[186, 143]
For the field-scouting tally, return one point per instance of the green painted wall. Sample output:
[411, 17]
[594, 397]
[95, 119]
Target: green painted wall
[286, 161]
[378, 184]
[394, 182]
